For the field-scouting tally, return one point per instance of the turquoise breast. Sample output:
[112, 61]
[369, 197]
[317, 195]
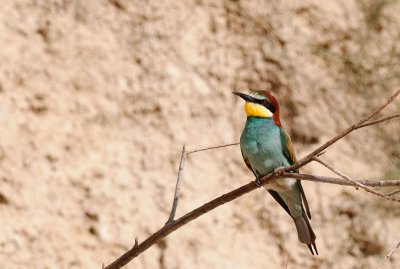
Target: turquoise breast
[261, 145]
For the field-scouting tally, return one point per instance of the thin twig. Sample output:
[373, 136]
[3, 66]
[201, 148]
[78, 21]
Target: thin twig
[214, 147]
[177, 186]
[359, 125]
[391, 98]
[379, 121]
[340, 181]
[393, 192]
[185, 153]
[391, 252]
[337, 172]
[356, 183]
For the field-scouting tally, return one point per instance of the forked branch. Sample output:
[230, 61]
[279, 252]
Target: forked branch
[355, 183]
[172, 225]
[361, 124]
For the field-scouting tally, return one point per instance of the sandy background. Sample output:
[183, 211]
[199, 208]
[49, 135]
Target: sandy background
[98, 97]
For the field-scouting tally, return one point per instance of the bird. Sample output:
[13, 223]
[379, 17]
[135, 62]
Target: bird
[265, 147]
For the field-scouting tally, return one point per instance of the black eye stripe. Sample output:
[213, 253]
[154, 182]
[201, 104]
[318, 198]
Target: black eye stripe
[268, 105]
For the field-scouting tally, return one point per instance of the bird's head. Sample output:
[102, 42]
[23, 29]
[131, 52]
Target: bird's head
[261, 104]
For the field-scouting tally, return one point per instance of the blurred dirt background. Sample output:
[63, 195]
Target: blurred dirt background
[98, 97]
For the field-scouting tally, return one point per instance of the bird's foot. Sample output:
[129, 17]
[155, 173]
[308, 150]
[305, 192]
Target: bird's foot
[278, 171]
[258, 181]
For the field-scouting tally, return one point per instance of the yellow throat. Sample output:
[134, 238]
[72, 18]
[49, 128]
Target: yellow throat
[256, 110]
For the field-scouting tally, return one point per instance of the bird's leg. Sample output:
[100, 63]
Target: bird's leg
[278, 171]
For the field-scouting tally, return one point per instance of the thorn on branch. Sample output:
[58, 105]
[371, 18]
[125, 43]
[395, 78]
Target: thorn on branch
[136, 243]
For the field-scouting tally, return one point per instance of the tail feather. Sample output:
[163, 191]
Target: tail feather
[305, 233]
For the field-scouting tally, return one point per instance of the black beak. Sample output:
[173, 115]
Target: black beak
[245, 97]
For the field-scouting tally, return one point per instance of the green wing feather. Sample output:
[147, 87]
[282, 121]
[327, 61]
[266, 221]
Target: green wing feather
[274, 194]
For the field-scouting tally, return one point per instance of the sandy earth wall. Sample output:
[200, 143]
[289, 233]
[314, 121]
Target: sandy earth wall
[98, 97]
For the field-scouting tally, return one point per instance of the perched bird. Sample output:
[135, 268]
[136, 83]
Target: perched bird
[265, 147]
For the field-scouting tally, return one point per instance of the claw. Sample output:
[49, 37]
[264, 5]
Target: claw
[258, 181]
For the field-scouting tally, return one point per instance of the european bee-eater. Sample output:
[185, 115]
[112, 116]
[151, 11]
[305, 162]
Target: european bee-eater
[265, 147]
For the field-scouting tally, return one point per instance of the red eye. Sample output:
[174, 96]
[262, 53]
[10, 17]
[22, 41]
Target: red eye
[264, 102]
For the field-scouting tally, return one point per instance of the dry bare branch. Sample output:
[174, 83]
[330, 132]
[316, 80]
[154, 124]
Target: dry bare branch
[173, 225]
[178, 185]
[381, 107]
[393, 192]
[361, 124]
[225, 198]
[176, 224]
[356, 183]
[379, 121]
[343, 182]
[391, 252]
[214, 147]
[179, 179]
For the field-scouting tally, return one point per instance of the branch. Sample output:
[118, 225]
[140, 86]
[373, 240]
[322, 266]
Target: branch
[379, 109]
[339, 181]
[214, 147]
[178, 185]
[379, 121]
[393, 193]
[173, 225]
[361, 124]
[185, 153]
[225, 198]
[356, 184]
[391, 252]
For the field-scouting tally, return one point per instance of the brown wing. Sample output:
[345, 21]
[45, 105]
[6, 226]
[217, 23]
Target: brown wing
[291, 154]
[288, 151]
[287, 147]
